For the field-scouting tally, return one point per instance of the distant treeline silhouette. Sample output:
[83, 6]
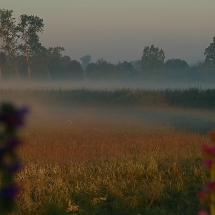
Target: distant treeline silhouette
[22, 56]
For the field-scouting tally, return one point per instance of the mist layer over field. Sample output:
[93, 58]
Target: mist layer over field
[103, 85]
[144, 106]
[101, 150]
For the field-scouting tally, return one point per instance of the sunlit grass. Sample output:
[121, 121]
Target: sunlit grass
[92, 152]
[101, 167]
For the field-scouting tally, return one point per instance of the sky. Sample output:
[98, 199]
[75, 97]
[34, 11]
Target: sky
[118, 30]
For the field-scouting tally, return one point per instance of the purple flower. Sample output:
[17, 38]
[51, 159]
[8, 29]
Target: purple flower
[9, 192]
[13, 117]
[22, 111]
[13, 167]
[2, 151]
[13, 143]
[207, 163]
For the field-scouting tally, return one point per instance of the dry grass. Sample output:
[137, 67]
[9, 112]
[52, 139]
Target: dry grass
[104, 161]
[99, 164]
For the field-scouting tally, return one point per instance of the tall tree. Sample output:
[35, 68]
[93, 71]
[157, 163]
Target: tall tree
[210, 55]
[29, 27]
[2, 61]
[55, 62]
[153, 58]
[8, 40]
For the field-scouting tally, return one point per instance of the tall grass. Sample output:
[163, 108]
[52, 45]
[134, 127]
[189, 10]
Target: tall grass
[103, 168]
[109, 166]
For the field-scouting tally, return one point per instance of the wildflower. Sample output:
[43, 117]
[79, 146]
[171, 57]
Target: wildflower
[205, 148]
[13, 167]
[209, 186]
[208, 192]
[207, 163]
[12, 143]
[9, 192]
[12, 119]
[202, 212]
[209, 150]
[213, 135]
[2, 151]
[202, 195]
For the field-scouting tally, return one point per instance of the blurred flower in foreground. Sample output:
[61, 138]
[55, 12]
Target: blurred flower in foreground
[207, 195]
[203, 213]
[11, 119]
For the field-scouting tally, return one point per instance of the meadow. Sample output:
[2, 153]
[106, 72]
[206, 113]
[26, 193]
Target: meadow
[103, 152]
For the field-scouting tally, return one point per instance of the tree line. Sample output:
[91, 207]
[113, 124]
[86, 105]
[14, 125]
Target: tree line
[22, 56]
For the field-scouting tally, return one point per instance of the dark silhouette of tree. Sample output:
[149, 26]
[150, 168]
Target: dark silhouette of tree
[125, 71]
[2, 61]
[28, 28]
[153, 58]
[99, 70]
[176, 64]
[62, 67]
[210, 55]
[8, 40]
[152, 61]
[75, 70]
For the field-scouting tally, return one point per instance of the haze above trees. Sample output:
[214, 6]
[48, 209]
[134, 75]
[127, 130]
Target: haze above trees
[22, 56]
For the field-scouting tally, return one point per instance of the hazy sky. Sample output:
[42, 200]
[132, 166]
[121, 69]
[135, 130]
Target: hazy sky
[118, 30]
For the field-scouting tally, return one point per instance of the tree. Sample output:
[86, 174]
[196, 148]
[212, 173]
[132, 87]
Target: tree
[2, 61]
[55, 65]
[210, 55]
[124, 71]
[29, 27]
[99, 70]
[62, 67]
[8, 40]
[8, 33]
[85, 60]
[153, 58]
[176, 64]
[75, 71]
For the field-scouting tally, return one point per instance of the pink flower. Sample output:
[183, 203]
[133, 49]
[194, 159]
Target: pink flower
[202, 195]
[209, 186]
[202, 212]
[208, 149]
[205, 148]
[207, 163]
[213, 135]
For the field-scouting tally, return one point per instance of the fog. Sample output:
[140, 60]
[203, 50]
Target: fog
[190, 120]
[103, 85]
